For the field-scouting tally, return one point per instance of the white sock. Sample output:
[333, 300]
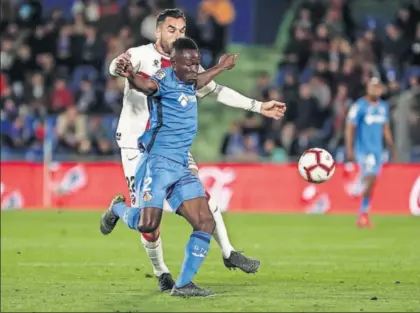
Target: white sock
[220, 233]
[155, 253]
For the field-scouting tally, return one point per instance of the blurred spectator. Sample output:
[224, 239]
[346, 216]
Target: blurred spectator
[214, 17]
[113, 96]
[414, 54]
[98, 139]
[36, 90]
[87, 98]
[299, 48]
[18, 136]
[262, 85]
[71, 131]
[93, 49]
[61, 97]
[232, 143]
[395, 45]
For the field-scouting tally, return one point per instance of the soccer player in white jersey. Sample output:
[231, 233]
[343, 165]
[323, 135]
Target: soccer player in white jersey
[134, 120]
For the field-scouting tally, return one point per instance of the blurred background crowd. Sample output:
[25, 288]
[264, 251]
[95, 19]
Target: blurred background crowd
[55, 84]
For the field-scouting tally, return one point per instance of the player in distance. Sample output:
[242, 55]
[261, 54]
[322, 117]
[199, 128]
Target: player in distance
[163, 171]
[134, 120]
[367, 126]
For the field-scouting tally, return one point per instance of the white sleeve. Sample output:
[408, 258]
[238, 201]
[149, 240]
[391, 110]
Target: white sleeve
[112, 67]
[229, 96]
[135, 60]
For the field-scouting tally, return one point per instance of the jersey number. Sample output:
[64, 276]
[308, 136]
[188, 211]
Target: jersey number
[146, 184]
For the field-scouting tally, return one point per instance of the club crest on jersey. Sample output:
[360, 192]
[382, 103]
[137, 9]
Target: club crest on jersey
[147, 196]
[160, 74]
[156, 63]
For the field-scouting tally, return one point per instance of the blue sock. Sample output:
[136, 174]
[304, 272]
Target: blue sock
[365, 205]
[195, 252]
[130, 216]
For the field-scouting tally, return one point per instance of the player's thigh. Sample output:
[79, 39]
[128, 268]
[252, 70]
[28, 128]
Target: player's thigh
[188, 187]
[154, 177]
[129, 160]
[370, 164]
[197, 212]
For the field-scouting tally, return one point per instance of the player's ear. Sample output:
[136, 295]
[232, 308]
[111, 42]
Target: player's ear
[173, 61]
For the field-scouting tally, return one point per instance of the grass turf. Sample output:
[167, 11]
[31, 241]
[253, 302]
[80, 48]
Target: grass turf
[58, 261]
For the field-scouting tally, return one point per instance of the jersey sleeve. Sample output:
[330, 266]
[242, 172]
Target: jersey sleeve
[160, 79]
[136, 56]
[355, 113]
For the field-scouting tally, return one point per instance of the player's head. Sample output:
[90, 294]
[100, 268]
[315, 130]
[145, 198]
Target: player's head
[374, 88]
[170, 25]
[185, 59]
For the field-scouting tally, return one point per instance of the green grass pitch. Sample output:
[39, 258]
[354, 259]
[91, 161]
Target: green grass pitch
[58, 261]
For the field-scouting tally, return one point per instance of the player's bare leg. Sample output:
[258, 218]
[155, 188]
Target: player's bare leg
[151, 242]
[363, 220]
[150, 236]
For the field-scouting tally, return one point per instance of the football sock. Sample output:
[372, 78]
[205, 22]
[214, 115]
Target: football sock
[365, 205]
[130, 216]
[195, 252]
[154, 251]
[220, 232]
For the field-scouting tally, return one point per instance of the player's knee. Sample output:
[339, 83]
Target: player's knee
[206, 222]
[148, 226]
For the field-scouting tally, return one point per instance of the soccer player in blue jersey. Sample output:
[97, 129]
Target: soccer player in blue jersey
[163, 169]
[367, 127]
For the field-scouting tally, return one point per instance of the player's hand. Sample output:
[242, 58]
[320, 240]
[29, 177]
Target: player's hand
[273, 109]
[227, 61]
[124, 67]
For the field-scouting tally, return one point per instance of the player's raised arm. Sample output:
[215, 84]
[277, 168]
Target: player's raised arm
[226, 62]
[123, 59]
[227, 96]
[145, 85]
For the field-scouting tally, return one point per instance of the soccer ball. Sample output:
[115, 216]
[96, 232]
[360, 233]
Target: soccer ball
[316, 165]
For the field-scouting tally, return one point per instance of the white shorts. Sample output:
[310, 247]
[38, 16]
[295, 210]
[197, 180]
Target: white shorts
[129, 160]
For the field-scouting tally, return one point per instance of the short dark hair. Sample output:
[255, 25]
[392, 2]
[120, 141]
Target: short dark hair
[184, 43]
[175, 13]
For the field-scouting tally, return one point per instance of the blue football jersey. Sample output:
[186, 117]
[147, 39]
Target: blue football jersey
[173, 118]
[369, 120]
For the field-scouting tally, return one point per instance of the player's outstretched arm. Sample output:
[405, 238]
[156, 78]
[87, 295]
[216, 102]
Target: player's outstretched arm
[227, 96]
[145, 85]
[226, 62]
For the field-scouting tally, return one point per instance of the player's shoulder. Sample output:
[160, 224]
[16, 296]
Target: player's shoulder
[164, 77]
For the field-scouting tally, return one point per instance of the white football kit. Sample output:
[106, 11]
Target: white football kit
[134, 117]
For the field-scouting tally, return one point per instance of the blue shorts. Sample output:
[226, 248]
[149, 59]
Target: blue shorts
[159, 178]
[370, 164]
